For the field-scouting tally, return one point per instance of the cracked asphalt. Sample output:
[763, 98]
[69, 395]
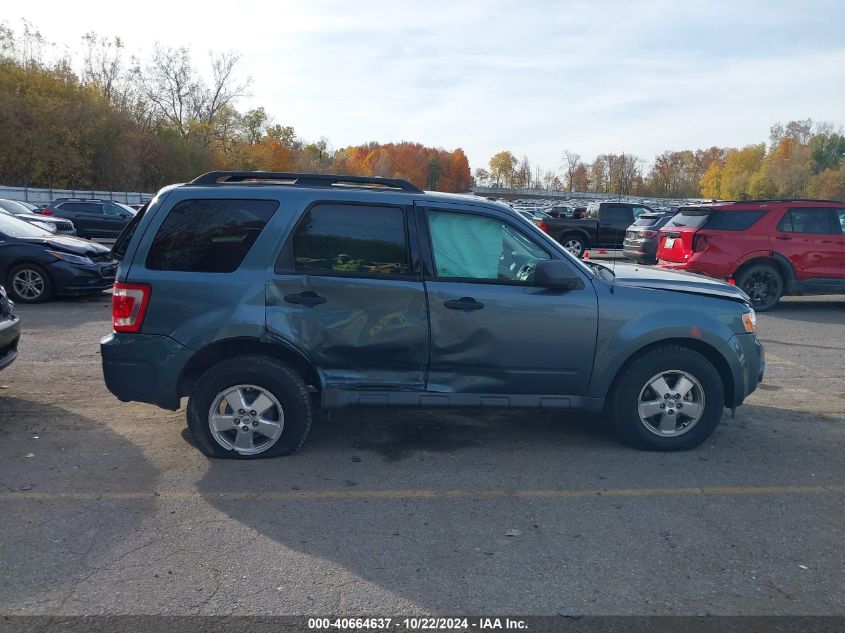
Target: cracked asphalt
[107, 508]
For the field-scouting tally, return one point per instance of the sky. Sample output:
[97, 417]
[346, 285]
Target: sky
[535, 78]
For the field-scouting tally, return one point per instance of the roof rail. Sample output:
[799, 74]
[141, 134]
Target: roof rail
[762, 200]
[302, 180]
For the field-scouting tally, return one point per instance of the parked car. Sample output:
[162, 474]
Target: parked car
[641, 238]
[603, 227]
[36, 264]
[769, 248]
[54, 225]
[93, 218]
[559, 211]
[10, 331]
[260, 301]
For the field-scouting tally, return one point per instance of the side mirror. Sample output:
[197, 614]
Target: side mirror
[554, 273]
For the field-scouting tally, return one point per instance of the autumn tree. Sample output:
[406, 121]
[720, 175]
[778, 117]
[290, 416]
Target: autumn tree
[502, 167]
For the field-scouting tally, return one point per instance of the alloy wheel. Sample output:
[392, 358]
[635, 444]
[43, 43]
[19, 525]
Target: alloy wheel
[246, 419]
[671, 403]
[574, 246]
[28, 284]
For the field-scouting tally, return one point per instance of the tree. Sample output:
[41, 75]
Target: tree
[737, 171]
[182, 99]
[254, 124]
[571, 160]
[799, 130]
[502, 167]
[482, 177]
[711, 181]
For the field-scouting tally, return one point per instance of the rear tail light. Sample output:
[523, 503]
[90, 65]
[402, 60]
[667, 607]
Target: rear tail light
[543, 227]
[46, 212]
[648, 233]
[699, 243]
[129, 306]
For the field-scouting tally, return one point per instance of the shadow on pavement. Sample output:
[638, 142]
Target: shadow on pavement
[444, 553]
[51, 545]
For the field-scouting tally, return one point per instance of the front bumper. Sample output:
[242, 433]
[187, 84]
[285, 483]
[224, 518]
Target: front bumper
[747, 359]
[72, 278]
[144, 368]
[10, 334]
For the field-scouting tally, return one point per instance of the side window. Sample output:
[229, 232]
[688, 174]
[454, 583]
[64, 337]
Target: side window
[806, 220]
[350, 238]
[614, 213]
[638, 211]
[733, 220]
[72, 207]
[478, 247]
[210, 236]
[90, 207]
[840, 214]
[112, 209]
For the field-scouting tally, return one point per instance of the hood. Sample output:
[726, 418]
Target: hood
[68, 244]
[677, 281]
[36, 217]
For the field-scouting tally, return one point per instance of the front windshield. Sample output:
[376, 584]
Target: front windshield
[12, 227]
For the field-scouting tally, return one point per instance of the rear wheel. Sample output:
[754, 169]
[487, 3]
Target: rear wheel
[29, 283]
[574, 244]
[763, 283]
[668, 399]
[248, 407]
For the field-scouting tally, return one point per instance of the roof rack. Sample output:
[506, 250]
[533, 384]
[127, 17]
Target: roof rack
[301, 180]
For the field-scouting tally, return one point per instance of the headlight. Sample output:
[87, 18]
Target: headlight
[73, 259]
[749, 320]
[45, 226]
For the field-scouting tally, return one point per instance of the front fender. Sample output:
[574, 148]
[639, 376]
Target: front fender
[632, 319]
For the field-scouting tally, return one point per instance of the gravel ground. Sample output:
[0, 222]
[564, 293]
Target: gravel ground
[107, 508]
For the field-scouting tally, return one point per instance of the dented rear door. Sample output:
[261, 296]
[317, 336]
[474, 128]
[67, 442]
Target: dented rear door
[348, 294]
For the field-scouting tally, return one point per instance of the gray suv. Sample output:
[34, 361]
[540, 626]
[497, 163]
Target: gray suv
[262, 296]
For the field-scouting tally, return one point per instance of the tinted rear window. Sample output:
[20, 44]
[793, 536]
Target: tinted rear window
[647, 220]
[693, 218]
[211, 236]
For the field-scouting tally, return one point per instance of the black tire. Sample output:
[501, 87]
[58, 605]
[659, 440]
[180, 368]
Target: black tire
[624, 400]
[35, 270]
[575, 244]
[763, 283]
[270, 374]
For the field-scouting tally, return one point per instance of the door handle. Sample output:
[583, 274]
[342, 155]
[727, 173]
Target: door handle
[464, 303]
[783, 237]
[306, 298]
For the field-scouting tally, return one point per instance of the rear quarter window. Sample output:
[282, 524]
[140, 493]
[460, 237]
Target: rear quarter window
[733, 220]
[211, 236]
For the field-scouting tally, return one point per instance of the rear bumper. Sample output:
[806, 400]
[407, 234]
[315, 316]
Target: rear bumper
[144, 368]
[748, 366]
[642, 253]
[10, 334]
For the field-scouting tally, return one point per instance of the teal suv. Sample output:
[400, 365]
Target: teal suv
[263, 296]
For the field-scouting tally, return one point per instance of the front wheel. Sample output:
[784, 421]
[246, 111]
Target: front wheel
[29, 283]
[763, 283]
[248, 407]
[668, 399]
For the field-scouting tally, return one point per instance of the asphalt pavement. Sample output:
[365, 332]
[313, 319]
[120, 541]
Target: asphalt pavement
[107, 508]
